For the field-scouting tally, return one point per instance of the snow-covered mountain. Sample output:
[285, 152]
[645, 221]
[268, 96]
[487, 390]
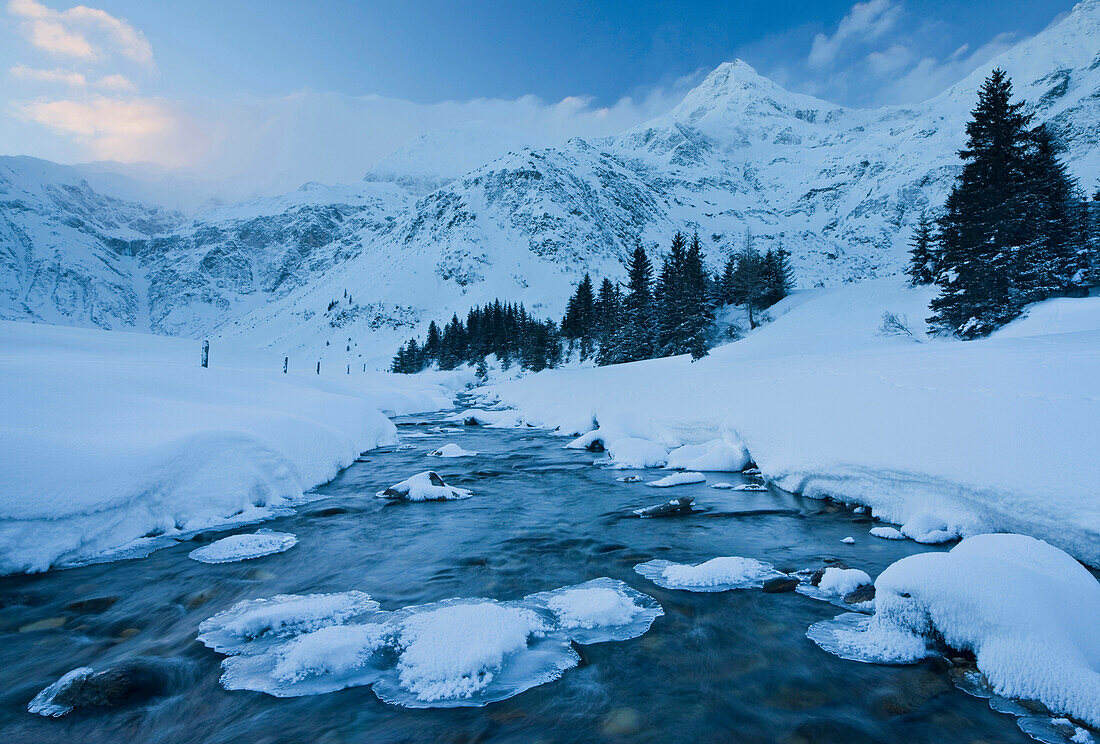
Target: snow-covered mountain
[345, 272]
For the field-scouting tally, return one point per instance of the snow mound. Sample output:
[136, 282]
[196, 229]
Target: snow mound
[244, 547]
[715, 575]
[887, 533]
[283, 615]
[723, 486]
[750, 487]
[837, 582]
[677, 479]
[592, 440]
[716, 455]
[451, 450]
[630, 479]
[483, 417]
[456, 652]
[426, 486]
[929, 528]
[630, 453]
[1025, 609]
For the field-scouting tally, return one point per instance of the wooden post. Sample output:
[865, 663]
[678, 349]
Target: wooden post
[205, 354]
[286, 361]
[364, 368]
[318, 368]
[349, 369]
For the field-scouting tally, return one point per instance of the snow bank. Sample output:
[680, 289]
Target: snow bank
[677, 479]
[244, 547]
[426, 486]
[629, 453]
[887, 533]
[1026, 610]
[115, 442]
[716, 455]
[827, 406]
[840, 581]
[715, 575]
[456, 652]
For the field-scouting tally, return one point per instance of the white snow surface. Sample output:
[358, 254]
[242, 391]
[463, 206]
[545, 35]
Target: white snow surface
[1027, 610]
[456, 652]
[840, 581]
[677, 479]
[887, 533]
[112, 439]
[716, 575]
[244, 547]
[827, 406]
[629, 453]
[716, 455]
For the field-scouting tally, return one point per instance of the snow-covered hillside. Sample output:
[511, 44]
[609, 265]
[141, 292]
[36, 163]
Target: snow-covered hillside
[942, 437]
[434, 228]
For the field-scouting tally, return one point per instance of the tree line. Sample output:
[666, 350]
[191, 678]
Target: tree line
[653, 314]
[1016, 228]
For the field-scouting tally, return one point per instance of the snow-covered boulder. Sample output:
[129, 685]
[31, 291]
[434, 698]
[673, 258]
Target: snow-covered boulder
[681, 505]
[451, 450]
[1026, 610]
[715, 455]
[426, 486]
[716, 575]
[929, 528]
[593, 441]
[887, 533]
[244, 547]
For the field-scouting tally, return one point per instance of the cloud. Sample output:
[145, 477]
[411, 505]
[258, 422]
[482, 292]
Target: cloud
[66, 77]
[864, 22]
[80, 32]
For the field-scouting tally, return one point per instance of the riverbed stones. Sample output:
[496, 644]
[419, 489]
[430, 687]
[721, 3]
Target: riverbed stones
[126, 683]
[92, 605]
[865, 593]
[780, 584]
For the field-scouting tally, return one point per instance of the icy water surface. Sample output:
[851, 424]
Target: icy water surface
[727, 666]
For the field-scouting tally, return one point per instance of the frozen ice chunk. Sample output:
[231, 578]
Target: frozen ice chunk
[451, 450]
[244, 547]
[887, 533]
[630, 479]
[677, 479]
[630, 452]
[46, 702]
[716, 455]
[470, 652]
[321, 661]
[281, 616]
[859, 637]
[1025, 609]
[426, 486]
[600, 610]
[715, 575]
[750, 487]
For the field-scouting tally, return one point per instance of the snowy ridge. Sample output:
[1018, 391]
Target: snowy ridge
[461, 216]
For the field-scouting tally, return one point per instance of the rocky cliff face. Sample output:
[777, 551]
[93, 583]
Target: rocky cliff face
[425, 235]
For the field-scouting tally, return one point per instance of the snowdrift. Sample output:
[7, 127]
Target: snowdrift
[991, 435]
[114, 442]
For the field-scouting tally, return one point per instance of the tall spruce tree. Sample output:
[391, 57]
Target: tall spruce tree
[635, 338]
[670, 302]
[697, 306]
[608, 319]
[922, 253]
[984, 222]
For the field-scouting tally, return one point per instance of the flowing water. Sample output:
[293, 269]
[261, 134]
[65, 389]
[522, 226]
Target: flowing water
[731, 666]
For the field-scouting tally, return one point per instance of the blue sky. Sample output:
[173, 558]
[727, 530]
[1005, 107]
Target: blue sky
[110, 80]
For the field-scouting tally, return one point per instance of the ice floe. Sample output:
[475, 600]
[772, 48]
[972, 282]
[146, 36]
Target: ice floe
[1026, 610]
[456, 652]
[716, 575]
[426, 486]
[677, 479]
[244, 547]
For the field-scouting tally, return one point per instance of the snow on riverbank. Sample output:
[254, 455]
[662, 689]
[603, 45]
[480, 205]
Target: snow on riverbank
[992, 435]
[113, 441]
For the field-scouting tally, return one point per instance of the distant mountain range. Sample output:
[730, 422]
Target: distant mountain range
[458, 217]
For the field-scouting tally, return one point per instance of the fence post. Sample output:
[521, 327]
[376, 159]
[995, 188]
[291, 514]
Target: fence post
[286, 360]
[205, 354]
[349, 369]
[318, 368]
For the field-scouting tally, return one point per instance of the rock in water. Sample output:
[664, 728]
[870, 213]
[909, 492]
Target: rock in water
[130, 682]
[780, 584]
[681, 505]
[426, 486]
[865, 593]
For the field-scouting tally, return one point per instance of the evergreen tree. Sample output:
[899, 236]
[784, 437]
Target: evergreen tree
[697, 309]
[608, 319]
[748, 284]
[431, 344]
[984, 222]
[635, 338]
[579, 323]
[922, 256]
[776, 276]
[671, 301]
